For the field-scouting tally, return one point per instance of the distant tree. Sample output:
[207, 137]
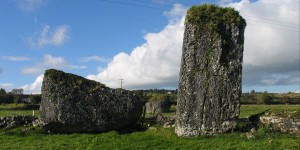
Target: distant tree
[264, 98]
[252, 92]
[156, 98]
[286, 99]
[17, 91]
[2, 91]
[35, 99]
[6, 99]
[17, 99]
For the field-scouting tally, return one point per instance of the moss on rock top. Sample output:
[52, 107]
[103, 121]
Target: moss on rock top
[213, 16]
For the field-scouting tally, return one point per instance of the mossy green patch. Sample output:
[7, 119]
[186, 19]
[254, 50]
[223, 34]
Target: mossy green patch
[212, 16]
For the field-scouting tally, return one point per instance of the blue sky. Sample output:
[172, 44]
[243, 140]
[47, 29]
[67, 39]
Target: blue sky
[137, 40]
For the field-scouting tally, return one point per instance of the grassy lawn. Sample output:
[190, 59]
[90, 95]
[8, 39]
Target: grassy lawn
[162, 138]
[157, 138]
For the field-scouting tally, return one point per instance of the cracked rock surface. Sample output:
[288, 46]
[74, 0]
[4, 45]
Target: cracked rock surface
[71, 103]
[211, 71]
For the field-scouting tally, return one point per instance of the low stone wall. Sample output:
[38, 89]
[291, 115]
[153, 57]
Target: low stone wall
[14, 121]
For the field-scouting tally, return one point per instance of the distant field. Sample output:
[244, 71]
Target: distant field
[10, 106]
[5, 110]
[18, 112]
[247, 110]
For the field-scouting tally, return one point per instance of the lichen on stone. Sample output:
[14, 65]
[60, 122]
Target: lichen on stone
[211, 68]
[71, 103]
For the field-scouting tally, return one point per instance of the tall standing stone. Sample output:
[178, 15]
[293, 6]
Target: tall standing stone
[211, 71]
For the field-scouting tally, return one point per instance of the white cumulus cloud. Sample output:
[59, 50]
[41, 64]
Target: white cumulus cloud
[271, 55]
[153, 64]
[48, 62]
[35, 87]
[47, 37]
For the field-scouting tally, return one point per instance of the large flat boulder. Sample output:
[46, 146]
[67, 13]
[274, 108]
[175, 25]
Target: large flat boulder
[71, 103]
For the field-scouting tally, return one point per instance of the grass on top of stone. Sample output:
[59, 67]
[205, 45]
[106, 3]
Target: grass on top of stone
[153, 138]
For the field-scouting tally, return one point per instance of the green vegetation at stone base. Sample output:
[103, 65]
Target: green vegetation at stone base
[160, 138]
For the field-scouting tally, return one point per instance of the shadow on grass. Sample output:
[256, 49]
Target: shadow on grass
[246, 124]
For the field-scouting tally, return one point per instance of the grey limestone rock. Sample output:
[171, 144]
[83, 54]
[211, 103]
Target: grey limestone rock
[71, 103]
[15, 121]
[157, 107]
[286, 122]
[211, 71]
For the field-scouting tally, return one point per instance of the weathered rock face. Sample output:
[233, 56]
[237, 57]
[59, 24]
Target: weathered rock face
[71, 103]
[211, 71]
[286, 122]
[157, 107]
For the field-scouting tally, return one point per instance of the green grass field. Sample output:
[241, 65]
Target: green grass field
[247, 110]
[157, 138]
[10, 106]
[150, 139]
[18, 112]
[4, 110]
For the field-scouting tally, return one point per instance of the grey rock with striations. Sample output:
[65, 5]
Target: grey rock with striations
[211, 71]
[71, 103]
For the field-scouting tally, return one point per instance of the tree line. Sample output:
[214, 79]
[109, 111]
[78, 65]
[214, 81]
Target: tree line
[17, 96]
[270, 98]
